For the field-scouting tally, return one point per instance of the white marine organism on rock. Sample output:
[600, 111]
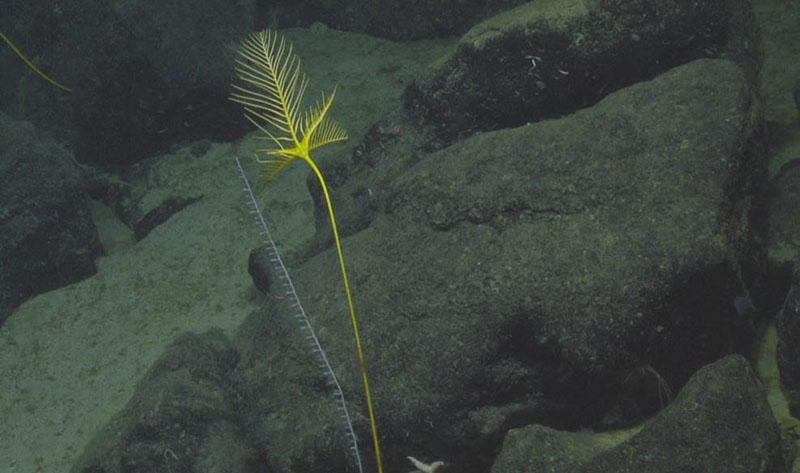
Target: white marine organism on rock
[424, 467]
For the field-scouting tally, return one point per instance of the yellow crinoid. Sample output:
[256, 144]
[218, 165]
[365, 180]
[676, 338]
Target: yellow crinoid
[272, 94]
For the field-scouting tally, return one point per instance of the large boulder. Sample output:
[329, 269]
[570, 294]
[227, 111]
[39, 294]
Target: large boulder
[571, 272]
[47, 236]
[720, 421]
[144, 74]
[181, 417]
[547, 59]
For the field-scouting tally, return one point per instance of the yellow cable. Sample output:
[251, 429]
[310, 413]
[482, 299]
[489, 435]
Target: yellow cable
[32, 66]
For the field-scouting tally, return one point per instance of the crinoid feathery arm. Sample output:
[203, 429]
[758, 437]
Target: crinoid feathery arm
[272, 92]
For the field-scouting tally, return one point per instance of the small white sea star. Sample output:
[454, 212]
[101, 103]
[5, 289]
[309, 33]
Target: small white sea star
[424, 467]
